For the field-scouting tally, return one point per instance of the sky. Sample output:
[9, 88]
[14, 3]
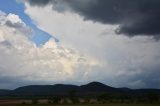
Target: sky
[116, 42]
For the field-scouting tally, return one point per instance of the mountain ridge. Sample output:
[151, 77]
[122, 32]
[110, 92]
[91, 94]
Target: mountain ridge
[92, 88]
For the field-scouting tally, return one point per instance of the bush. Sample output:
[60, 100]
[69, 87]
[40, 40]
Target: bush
[54, 100]
[153, 97]
[104, 96]
[34, 101]
[23, 103]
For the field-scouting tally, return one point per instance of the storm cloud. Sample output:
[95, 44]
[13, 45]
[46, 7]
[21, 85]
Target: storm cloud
[134, 17]
[124, 61]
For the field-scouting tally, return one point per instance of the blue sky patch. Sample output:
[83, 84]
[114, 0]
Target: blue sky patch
[11, 6]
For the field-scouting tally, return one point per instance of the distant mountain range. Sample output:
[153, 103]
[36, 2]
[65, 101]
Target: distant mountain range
[92, 88]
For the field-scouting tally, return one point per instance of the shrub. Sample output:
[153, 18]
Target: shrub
[34, 101]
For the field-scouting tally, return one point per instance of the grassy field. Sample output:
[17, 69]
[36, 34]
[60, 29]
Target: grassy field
[90, 105]
[45, 103]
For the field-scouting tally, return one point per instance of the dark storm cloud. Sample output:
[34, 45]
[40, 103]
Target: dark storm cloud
[39, 2]
[14, 25]
[149, 78]
[134, 17]
[10, 82]
[20, 27]
[6, 44]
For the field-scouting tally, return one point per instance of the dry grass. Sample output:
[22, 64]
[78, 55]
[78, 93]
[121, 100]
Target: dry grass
[44, 103]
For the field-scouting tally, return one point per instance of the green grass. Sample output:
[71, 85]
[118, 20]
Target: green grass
[109, 104]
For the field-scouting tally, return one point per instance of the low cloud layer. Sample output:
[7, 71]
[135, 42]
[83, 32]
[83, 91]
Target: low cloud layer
[134, 17]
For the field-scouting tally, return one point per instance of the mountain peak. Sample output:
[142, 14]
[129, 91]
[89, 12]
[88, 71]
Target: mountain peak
[95, 83]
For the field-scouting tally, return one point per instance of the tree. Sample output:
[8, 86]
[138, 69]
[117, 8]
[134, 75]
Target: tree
[34, 101]
[104, 96]
[72, 96]
[54, 100]
[153, 97]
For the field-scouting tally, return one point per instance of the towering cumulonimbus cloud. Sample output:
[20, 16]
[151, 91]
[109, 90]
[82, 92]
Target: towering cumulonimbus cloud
[23, 63]
[134, 17]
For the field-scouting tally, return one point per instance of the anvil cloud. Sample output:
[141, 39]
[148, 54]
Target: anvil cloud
[134, 17]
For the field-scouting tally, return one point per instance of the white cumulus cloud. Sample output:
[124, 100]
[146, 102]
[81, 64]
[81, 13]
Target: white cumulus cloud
[21, 62]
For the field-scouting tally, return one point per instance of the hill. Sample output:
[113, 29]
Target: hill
[90, 89]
